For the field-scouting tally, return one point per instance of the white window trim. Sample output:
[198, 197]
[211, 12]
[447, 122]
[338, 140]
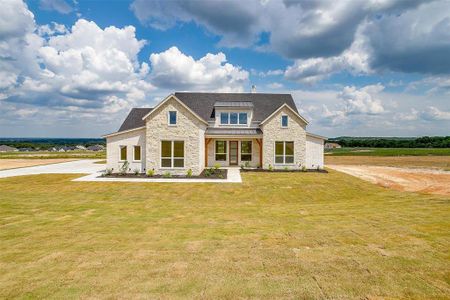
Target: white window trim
[284, 154]
[251, 153]
[134, 153]
[229, 118]
[226, 152]
[281, 121]
[172, 157]
[168, 118]
[120, 153]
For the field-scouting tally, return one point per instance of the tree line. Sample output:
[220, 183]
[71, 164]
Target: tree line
[420, 142]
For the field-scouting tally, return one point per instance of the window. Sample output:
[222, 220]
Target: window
[137, 153]
[123, 152]
[172, 118]
[221, 150]
[233, 118]
[246, 150]
[223, 118]
[243, 118]
[284, 121]
[172, 154]
[284, 152]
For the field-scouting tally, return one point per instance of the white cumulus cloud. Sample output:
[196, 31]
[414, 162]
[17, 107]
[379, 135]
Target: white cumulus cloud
[173, 69]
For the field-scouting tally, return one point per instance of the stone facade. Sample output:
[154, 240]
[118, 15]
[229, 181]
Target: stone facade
[129, 139]
[296, 132]
[188, 129]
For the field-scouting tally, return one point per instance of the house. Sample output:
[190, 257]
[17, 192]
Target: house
[96, 148]
[4, 148]
[197, 130]
[332, 146]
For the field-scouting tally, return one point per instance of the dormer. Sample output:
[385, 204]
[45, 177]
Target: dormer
[233, 113]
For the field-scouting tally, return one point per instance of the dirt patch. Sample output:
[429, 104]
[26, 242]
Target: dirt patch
[6, 164]
[402, 179]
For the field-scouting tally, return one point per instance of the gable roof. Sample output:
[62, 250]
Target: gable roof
[171, 96]
[263, 104]
[134, 119]
[280, 108]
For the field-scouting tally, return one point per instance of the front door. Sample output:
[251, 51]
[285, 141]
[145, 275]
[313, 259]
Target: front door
[233, 153]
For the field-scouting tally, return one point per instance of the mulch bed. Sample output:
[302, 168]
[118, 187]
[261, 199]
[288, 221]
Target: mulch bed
[285, 171]
[205, 174]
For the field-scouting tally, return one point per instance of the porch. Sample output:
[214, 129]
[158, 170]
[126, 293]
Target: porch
[233, 147]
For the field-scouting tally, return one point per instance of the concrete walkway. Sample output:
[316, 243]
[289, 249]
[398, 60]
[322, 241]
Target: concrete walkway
[88, 166]
[85, 166]
[234, 176]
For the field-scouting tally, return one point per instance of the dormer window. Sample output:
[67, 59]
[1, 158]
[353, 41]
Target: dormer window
[233, 118]
[284, 121]
[243, 118]
[223, 118]
[172, 118]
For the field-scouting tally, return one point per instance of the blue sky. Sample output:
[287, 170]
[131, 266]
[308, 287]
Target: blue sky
[75, 68]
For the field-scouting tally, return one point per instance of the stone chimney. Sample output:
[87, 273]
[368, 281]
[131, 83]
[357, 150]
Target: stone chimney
[253, 89]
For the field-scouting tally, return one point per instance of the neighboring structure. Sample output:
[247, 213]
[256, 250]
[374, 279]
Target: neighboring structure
[96, 148]
[197, 130]
[330, 145]
[4, 148]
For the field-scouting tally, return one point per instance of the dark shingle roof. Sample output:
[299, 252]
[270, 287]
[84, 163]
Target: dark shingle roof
[233, 104]
[134, 119]
[203, 105]
[233, 131]
[263, 104]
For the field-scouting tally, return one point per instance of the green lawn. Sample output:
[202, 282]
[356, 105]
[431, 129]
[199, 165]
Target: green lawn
[47, 154]
[277, 235]
[388, 151]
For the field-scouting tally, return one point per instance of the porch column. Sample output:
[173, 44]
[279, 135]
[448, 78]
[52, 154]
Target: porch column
[259, 141]
[206, 151]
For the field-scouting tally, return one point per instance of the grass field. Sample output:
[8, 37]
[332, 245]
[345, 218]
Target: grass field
[46, 154]
[388, 151]
[291, 235]
[435, 162]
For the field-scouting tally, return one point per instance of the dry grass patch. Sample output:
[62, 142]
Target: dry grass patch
[327, 236]
[6, 164]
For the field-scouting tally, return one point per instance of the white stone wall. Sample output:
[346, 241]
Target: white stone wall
[296, 132]
[212, 152]
[129, 139]
[188, 129]
[314, 152]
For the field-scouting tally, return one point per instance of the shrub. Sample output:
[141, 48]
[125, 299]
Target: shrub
[167, 174]
[286, 168]
[247, 164]
[108, 171]
[270, 168]
[220, 176]
[242, 167]
[189, 173]
[207, 173]
[124, 168]
[304, 169]
[136, 171]
[151, 173]
[217, 166]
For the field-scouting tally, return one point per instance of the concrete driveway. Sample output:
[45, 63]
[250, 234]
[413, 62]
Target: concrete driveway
[85, 166]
